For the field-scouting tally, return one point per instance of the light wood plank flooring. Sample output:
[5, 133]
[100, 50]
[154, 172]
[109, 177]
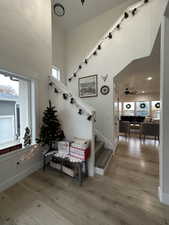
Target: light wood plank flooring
[126, 195]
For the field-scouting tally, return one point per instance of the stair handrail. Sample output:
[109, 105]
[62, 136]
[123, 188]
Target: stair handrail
[63, 89]
[129, 9]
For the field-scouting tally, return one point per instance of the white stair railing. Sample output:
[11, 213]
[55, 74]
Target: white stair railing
[74, 123]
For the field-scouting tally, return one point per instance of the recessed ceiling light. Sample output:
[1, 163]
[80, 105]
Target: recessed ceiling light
[143, 92]
[149, 78]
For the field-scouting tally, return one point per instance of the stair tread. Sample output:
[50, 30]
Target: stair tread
[98, 146]
[103, 158]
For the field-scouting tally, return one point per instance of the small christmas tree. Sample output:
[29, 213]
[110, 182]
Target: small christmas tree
[51, 129]
[27, 137]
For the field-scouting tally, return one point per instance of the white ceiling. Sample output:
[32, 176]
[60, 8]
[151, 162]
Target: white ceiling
[76, 14]
[134, 76]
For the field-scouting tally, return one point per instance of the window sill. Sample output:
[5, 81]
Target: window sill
[10, 148]
[11, 153]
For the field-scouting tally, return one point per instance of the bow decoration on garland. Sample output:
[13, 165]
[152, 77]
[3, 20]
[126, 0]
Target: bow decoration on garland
[117, 27]
[72, 101]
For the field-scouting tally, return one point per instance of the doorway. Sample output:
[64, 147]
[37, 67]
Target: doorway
[137, 116]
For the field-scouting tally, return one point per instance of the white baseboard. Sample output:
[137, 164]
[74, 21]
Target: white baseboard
[115, 147]
[99, 171]
[10, 182]
[164, 197]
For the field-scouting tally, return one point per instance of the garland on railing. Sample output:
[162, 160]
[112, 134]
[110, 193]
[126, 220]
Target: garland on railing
[126, 15]
[68, 97]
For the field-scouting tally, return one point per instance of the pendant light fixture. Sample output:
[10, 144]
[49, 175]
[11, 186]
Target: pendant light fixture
[82, 1]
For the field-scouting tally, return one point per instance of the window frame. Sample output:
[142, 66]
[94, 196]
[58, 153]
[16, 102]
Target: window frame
[58, 71]
[32, 104]
[135, 107]
[148, 108]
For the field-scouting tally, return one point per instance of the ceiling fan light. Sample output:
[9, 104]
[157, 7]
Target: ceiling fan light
[149, 78]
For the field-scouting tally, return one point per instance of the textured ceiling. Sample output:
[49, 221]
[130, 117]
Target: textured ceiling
[76, 14]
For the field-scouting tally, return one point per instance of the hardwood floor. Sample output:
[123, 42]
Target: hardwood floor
[126, 195]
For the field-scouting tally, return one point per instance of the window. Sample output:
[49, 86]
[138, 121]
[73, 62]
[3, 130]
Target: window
[56, 73]
[142, 109]
[156, 109]
[128, 108]
[15, 110]
[7, 126]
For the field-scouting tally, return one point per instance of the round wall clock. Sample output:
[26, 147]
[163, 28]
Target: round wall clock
[128, 106]
[59, 9]
[142, 105]
[157, 105]
[105, 90]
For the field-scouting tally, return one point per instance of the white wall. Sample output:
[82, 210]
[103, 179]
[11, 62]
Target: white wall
[12, 169]
[24, 107]
[25, 40]
[25, 49]
[81, 40]
[126, 46]
[164, 128]
[141, 97]
[58, 47]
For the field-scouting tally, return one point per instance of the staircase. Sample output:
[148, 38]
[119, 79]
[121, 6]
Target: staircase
[102, 157]
[134, 39]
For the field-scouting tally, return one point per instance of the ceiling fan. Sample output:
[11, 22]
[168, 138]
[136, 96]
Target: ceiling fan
[130, 92]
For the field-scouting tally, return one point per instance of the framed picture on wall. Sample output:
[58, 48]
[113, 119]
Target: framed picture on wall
[88, 86]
